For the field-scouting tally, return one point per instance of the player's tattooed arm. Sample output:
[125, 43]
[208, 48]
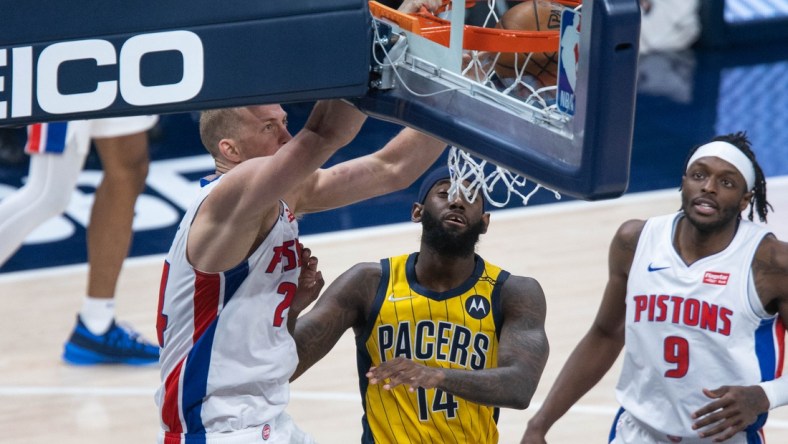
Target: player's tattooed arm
[343, 305]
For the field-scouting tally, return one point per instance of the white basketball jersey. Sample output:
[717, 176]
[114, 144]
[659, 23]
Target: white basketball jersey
[226, 353]
[692, 327]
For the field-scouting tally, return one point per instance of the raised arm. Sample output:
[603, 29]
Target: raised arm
[522, 355]
[409, 6]
[341, 307]
[394, 167]
[600, 347]
[246, 200]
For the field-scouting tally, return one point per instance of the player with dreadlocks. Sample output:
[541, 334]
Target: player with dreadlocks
[698, 301]
[758, 201]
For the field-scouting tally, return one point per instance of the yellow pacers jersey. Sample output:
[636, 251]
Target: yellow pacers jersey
[456, 329]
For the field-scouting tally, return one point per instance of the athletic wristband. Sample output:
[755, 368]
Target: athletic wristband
[776, 391]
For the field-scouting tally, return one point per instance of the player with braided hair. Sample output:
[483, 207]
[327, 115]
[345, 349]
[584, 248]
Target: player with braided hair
[698, 301]
[758, 201]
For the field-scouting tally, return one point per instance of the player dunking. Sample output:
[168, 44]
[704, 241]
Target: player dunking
[231, 274]
[446, 337]
[699, 302]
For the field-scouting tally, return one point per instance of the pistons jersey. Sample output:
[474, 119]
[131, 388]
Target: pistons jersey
[227, 355]
[456, 329]
[690, 327]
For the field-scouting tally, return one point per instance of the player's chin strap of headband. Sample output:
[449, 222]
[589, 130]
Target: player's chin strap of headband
[730, 154]
[777, 391]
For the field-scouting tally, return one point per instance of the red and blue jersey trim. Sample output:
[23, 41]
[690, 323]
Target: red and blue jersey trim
[186, 386]
[46, 138]
[770, 349]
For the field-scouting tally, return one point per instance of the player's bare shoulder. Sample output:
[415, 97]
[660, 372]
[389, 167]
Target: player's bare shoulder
[772, 257]
[366, 273]
[774, 251]
[355, 289]
[770, 268]
[628, 234]
[523, 285]
[523, 294]
[623, 246]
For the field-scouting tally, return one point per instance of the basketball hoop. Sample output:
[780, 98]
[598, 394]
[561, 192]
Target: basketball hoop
[510, 59]
[471, 176]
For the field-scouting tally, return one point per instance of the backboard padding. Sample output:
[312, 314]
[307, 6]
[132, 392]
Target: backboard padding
[253, 52]
[276, 52]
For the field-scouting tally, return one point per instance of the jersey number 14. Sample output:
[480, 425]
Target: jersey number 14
[441, 402]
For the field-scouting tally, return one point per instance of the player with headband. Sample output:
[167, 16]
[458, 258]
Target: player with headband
[698, 301]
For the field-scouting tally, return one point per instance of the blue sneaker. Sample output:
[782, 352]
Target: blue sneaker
[119, 345]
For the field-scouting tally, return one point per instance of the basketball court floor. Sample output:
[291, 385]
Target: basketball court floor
[683, 99]
[563, 245]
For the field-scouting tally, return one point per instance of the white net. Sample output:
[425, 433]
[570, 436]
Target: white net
[474, 177]
[528, 76]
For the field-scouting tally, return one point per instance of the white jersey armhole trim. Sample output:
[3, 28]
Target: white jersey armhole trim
[754, 300]
[752, 293]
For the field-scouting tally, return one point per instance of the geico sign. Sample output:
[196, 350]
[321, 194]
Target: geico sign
[131, 89]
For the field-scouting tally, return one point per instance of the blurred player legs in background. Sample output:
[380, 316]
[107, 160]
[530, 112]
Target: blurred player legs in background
[58, 154]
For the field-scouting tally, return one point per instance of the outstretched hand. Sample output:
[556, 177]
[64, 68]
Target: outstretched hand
[310, 282]
[410, 6]
[733, 409]
[402, 371]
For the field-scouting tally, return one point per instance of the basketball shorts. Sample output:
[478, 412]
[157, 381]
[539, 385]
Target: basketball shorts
[73, 138]
[280, 430]
[121, 126]
[628, 430]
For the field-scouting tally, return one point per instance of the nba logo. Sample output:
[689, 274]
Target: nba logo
[568, 55]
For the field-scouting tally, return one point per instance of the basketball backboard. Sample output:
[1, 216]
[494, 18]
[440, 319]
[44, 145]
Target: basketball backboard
[584, 153]
[64, 60]
[90, 59]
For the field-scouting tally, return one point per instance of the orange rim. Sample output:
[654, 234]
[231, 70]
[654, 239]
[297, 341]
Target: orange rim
[438, 30]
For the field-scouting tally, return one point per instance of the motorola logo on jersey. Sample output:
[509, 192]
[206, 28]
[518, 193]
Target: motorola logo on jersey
[40, 79]
[477, 306]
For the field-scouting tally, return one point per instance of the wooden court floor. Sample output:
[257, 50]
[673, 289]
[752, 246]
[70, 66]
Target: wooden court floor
[563, 245]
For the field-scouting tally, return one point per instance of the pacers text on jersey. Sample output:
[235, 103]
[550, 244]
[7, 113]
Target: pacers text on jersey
[441, 341]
